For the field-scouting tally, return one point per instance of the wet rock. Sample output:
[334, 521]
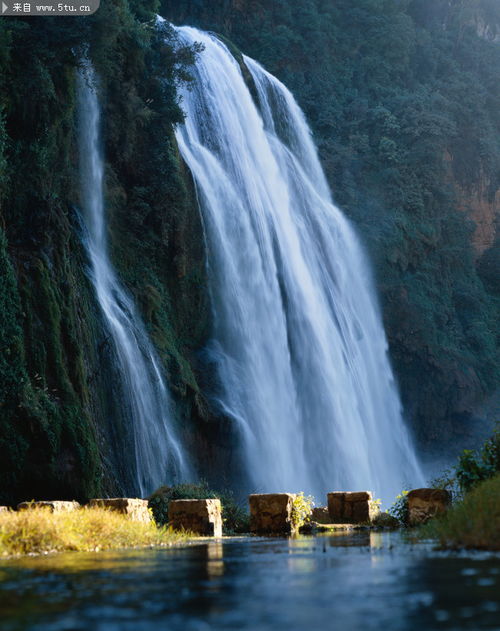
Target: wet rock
[203, 517]
[271, 512]
[351, 508]
[423, 504]
[135, 509]
[320, 515]
[55, 506]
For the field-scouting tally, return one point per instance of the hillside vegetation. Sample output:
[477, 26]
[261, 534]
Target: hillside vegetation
[62, 433]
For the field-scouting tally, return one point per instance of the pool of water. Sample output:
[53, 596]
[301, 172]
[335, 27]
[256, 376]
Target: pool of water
[363, 581]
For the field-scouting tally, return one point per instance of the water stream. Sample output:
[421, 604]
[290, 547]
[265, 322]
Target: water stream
[156, 455]
[298, 339]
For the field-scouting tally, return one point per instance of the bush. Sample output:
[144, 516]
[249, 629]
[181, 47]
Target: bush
[38, 531]
[475, 467]
[472, 523]
[301, 510]
[234, 517]
[399, 509]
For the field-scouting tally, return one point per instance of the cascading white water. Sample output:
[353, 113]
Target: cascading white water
[299, 343]
[157, 455]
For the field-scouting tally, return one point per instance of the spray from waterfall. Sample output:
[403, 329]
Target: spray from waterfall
[156, 453]
[298, 339]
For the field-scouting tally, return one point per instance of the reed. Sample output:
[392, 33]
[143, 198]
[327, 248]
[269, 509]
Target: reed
[38, 531]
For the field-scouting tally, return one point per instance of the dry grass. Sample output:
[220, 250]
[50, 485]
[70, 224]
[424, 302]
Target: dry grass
[473, 523]
[39, 531]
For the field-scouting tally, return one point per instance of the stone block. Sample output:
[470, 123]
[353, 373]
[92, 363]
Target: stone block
[351, 508]
[135, 509]
[203, 517]
[54, 507]
[336, 503]
[359, 496]
[271, 512]
[423, 504]
[320, 515]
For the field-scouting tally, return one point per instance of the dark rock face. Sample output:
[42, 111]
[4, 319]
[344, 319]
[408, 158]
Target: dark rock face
[423, 504]
[203, 517]
[271, 513]
[351, 508]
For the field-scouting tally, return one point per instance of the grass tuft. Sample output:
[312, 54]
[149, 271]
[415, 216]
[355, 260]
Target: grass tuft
[472, 523]
[38, 531]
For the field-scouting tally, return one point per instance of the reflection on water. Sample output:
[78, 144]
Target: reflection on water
[365, 580]
[215, 558]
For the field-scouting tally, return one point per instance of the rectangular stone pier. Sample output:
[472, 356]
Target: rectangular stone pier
[135, 509]
[351, 508]
[203, 517]
[271, 513]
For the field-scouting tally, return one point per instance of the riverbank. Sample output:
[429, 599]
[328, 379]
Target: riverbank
[39, 531]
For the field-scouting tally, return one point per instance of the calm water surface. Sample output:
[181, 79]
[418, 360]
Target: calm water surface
[357, 581]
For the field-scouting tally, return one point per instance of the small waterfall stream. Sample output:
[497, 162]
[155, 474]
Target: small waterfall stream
[298, 338]
[156, 454]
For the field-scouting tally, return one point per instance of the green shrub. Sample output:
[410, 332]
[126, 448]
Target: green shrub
[472, 523]
[475, 467]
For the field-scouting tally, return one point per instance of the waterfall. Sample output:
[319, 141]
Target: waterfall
[156, 455]
[298, 339]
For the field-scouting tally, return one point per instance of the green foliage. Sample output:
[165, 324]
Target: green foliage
[475, 467]
[472, 468]
[302, 507]
[472, 523]
[399, 509]
[234, 518]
